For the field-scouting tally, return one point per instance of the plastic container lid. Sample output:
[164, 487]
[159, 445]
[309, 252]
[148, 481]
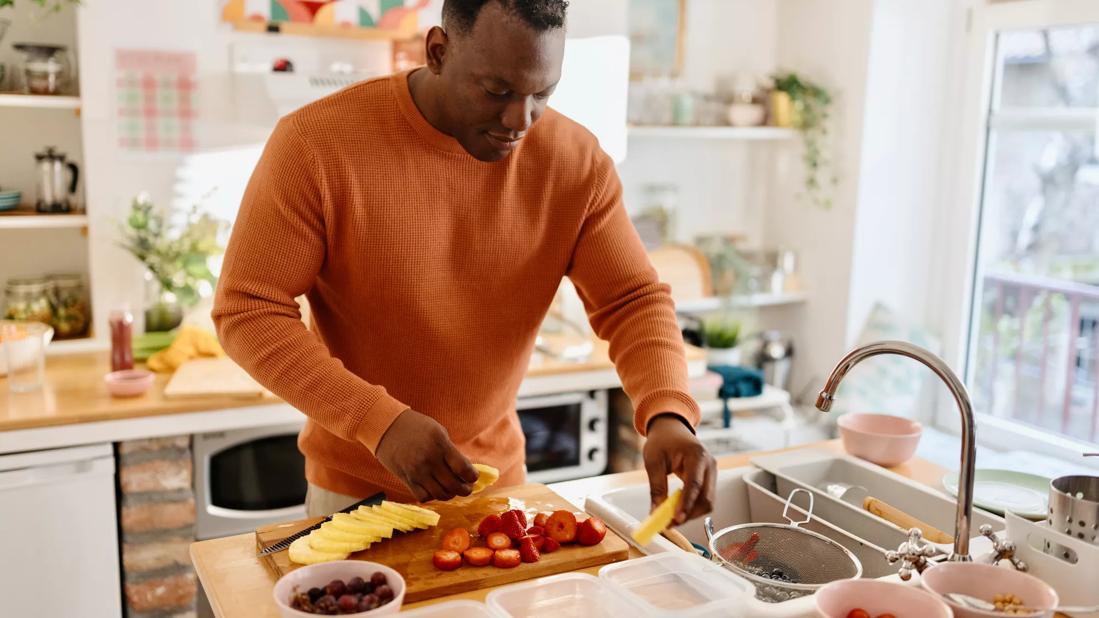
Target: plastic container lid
[572, 595]
[452, 609]
[678, 584]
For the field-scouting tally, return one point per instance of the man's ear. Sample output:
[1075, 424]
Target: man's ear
[436, 44]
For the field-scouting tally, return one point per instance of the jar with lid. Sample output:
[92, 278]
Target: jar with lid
[46, 68]
[28, 299]
[70, 305]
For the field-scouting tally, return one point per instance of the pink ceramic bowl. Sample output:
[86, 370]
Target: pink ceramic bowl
[880, 438]
[129, 382]
[985, 581]
[878, 597]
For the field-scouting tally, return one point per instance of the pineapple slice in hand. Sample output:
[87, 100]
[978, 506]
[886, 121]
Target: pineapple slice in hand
[486, 475]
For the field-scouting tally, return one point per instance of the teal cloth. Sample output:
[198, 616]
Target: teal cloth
[736, 382]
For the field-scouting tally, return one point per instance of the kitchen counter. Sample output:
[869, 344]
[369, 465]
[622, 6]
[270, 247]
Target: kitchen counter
[238, 585]
[74, 407]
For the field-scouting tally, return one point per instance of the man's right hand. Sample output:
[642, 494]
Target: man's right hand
[418, 450]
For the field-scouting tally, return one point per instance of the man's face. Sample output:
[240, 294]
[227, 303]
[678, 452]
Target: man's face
[497, 79]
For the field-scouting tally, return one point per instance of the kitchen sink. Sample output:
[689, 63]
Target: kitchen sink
[753, 494]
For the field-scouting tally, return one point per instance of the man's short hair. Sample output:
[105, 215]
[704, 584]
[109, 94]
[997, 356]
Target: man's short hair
[460, 15]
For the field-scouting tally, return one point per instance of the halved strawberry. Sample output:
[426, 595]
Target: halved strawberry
[498, 540]
[561, 527]
[549, 546]
[540, 519]
[510, 525]
[490, 524]
[456, 539]
[521, 516]
[446, 560]
[591, 531]
[478, 556]
[539, 540]
[506, 558]
[533, 530]
[527, 551]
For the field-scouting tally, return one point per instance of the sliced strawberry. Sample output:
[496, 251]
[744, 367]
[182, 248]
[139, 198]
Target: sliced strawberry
[527, 551]
[549, 546]
[478, 556]
[591, 532]
[539, 540]
[506, 558]
[521, 516]
[498, 540]
[456, 539]
[489, 524]
[509, 525]
[561, 527]
[533, 530]
[446, 560]
[540, 519]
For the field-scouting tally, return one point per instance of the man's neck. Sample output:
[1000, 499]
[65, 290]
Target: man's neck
[422, 87]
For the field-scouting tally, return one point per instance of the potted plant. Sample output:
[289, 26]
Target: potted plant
[809, 108]
[54, 6]
[175, 249]
[720, 336]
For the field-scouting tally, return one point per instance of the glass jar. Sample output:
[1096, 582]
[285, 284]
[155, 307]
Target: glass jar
[71, 313]
[46, 68]
[28, 300]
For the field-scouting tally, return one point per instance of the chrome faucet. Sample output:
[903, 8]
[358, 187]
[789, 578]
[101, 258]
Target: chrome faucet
[961, 396]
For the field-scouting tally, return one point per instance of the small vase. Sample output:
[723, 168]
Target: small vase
[162, 309]
[723, 356]
[782, 109]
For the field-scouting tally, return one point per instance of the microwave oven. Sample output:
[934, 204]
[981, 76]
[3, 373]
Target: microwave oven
[566, 435]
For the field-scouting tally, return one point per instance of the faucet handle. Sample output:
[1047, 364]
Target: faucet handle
[913, 554]
[1002, 550]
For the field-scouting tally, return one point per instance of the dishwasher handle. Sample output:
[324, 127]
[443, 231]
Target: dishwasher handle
[42, 475]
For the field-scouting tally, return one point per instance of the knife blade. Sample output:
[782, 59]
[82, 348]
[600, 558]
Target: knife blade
[285, 543]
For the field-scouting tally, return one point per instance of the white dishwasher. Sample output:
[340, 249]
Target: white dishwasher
[59, 534]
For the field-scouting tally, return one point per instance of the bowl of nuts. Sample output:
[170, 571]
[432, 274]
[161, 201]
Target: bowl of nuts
[340, 587]
[1008, 592]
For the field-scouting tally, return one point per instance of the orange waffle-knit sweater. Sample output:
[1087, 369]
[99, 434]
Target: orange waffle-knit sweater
[428, 274]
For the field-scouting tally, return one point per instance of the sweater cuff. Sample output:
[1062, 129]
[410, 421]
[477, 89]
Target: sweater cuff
[376, 421]
[666, 402]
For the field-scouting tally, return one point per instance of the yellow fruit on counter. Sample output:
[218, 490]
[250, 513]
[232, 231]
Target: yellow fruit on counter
[302, 553]
[190, 342]
[419, 518]
[319, 542]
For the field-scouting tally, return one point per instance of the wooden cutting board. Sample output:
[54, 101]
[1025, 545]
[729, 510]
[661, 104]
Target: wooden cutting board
[410, 553]
[203, 377]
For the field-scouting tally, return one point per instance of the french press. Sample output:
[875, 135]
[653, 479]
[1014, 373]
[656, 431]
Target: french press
[53, 191]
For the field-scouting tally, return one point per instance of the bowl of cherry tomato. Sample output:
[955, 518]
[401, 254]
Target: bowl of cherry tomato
[871, 598]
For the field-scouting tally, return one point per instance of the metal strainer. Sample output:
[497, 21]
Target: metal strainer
[783, 561]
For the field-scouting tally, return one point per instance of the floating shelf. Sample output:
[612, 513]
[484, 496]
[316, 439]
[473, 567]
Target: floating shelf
[703, 305]
[9, 99]
[713, 133]
[23, 219]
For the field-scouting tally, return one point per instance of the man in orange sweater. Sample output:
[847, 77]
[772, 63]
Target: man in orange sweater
[429, 218]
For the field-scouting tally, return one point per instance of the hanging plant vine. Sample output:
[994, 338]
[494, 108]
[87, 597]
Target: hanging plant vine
[812, 107]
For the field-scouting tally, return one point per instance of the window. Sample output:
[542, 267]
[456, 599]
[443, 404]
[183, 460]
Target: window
[1033, 344]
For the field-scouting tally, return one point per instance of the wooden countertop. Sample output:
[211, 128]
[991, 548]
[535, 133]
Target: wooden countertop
[238, 585]
[75, 393]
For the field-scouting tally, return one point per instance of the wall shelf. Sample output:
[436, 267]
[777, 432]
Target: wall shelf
[713, 133]
[24, 219]
[10, 99]
[754, 301]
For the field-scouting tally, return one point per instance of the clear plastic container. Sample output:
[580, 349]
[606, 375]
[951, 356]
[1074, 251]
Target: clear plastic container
[678, 584]
[572, 595]
[451, 609]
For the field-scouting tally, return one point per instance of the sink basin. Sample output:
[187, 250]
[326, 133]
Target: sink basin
[749, 494]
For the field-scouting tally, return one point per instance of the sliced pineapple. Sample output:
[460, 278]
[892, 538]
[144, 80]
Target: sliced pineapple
[347, 523]
[369, 516]
[323, 544]
[335, 534]
[486, 475]
[423, 517]
[302, 553]
[658, 520]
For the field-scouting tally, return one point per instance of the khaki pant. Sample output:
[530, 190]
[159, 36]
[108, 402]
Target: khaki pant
[320, 502]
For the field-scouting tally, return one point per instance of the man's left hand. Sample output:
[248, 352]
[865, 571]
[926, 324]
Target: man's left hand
[672, 448]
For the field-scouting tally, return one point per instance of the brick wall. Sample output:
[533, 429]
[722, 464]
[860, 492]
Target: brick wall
[157, 524]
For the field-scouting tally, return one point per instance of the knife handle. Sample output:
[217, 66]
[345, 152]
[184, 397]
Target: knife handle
[892, 514]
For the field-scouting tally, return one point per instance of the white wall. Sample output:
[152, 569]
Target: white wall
[829, 42]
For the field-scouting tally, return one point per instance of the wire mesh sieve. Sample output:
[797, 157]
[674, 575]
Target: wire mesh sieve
[783, 561]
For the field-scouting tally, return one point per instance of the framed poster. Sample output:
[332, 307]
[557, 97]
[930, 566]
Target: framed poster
[656, 37]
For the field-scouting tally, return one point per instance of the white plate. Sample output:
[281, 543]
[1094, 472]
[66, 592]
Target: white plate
[1026, 495]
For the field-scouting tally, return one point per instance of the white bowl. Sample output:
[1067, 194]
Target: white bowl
[306, 577]
[24, 348]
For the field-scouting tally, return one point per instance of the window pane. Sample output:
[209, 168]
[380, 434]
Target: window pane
[1055, 67]
[1034, 345]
